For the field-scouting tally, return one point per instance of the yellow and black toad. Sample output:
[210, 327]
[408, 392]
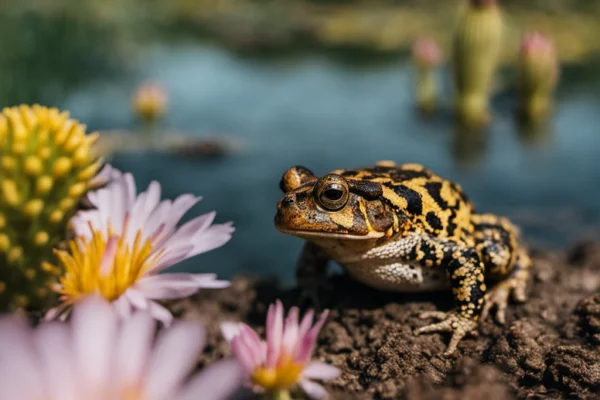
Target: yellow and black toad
[403, 228]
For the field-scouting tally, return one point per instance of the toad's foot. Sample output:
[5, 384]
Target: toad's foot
[499, 296]
[450, 322]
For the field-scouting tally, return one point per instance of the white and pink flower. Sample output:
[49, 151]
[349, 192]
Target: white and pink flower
[122, 245]
[99, 356]
[284, 359]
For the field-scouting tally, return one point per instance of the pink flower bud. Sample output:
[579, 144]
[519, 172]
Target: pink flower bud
[426, 52]
[536, 44]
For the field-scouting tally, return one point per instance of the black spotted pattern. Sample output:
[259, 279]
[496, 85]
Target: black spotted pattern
[433, 221]
[413, 198]
[435, 191]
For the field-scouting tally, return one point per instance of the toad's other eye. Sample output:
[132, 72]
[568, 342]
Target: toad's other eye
[331, 192]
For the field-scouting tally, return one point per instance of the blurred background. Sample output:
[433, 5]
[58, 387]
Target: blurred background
[268, 84]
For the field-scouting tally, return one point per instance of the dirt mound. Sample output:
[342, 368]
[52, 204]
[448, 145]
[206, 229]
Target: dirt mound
[548, 348]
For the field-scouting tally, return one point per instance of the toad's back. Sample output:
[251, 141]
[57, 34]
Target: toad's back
[433, 204]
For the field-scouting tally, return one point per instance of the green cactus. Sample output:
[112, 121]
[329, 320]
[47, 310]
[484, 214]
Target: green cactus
[46, 166]
[426, 56]
[476, 48]
[538, 76]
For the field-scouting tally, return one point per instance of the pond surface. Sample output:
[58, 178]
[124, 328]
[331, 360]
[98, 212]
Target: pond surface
[314, 111]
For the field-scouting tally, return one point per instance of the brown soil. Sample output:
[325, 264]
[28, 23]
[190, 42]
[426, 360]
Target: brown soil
[548, 348]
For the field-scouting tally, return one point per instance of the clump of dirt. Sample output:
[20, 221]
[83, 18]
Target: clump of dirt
[548, 348]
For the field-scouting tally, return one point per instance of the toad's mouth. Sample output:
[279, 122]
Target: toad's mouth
[329, 235]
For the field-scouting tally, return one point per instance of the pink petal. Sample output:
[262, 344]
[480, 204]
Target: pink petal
[274, 332]
[20, 377]
[104, 176]
[168, 286]
[123, 307]
[160, 313]
[157, 220]
[192, 227]
[56, 312]
[171, 257]
[229, 330]
[142, 210]
[181, 205]
[290, 331]
[309, 340]
[94, 325]
[216, 382]
[243, 354]
[106, 264]
[133, 349]
[204, 284]
[174, 356]
[252, 344]
[57, 361]
[213, 237]
[130, 191]
[320, 370]
[136, 298]
[306, 323]
[313, 389]
[205, 277]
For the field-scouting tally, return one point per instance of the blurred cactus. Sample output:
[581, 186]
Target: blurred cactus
[538, 76]
[150, 103]
[476, 49]
[426, 56]
[468, 148]
[45, 168]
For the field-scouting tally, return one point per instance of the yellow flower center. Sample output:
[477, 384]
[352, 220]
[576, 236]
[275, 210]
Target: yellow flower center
[108, 267]
[283, 376]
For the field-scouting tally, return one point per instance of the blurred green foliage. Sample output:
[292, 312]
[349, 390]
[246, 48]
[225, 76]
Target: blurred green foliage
[56, 45]
[379, 25]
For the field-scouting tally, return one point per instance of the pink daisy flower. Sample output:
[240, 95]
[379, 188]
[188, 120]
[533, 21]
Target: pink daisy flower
[284, 359]
[122, 245]
[99, 356]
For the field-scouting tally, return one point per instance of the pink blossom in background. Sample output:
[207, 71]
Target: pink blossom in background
[122, 245]
[539, 49]
[536, 43]
[426, 52]
[99, 356]
[284, 359]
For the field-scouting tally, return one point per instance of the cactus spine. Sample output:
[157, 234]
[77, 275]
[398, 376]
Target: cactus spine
[476, 49]
[426, 56]
[45, 168]
[538, 75]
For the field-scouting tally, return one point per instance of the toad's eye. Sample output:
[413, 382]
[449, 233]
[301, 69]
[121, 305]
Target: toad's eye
[331, 192]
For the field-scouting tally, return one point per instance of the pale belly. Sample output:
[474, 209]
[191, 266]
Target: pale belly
[398, 277]
[384, 274]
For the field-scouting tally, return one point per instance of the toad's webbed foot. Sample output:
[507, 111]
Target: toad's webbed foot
[499, 296]
[452, 322]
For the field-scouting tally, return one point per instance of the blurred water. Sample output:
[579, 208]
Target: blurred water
[316, 112]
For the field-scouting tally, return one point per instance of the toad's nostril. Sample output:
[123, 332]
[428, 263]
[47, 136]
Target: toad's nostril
[287, 201]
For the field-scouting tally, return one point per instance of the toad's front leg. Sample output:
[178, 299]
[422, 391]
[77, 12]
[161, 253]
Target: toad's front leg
[466, 273]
